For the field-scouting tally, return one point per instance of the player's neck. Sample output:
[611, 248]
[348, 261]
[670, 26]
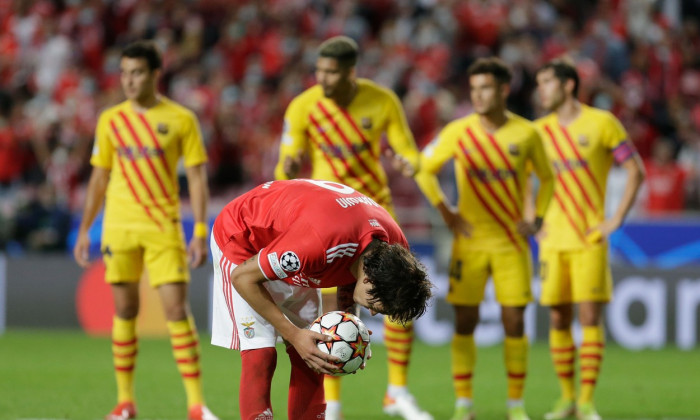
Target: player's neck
[143, 104]
[344, 98]
[494, 120]
[568, 111]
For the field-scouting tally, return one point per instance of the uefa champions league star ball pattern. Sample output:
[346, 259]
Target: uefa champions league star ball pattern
[290, 262]
[350, 340]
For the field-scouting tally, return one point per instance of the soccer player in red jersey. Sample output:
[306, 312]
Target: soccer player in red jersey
[273, 249]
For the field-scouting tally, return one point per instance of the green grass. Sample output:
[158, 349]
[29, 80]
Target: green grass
[65, 374]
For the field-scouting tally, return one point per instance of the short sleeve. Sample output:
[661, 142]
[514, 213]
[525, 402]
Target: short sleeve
[287, 256]
[294, 137]
[102, 149]
[193, 151]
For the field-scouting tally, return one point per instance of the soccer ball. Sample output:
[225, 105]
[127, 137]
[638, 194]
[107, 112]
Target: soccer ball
[350, 340]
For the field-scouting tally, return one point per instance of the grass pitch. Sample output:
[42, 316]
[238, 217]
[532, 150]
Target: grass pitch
[68, 375]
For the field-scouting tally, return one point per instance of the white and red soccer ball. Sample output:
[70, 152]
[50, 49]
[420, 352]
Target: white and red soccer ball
[350, 340]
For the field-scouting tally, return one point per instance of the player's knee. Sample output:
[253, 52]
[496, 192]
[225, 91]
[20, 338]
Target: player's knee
[126, 310]
[466, 319]
[175, 311]
[560, 317]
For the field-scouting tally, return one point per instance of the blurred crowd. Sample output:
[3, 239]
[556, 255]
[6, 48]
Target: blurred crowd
[238, 63]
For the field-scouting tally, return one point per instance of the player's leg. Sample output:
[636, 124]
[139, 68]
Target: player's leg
[398, 339]
[166, 262]
[123, 266]
[331, 384]
[557, 295]
[592, 289]
[512, 274]
[468, 274]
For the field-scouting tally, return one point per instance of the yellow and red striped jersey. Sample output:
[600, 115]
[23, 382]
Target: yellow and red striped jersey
[581, 154]
[344, 143]
[491, 172]
[142, 151]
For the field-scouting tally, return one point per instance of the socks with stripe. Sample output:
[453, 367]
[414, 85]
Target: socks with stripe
[398, 340]
[463, 361]
[185, 343]
[124, 349]
[590, 356]
[257, 368]
[305, 390]
[515, 354]
[562, 350]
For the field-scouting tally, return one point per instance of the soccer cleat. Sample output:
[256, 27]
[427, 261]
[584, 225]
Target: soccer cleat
[123, 411]
[406, 407]
[200, 412]
[517, 413]
[587, 412]
[463, 413]
[562, 409]
[333, 412]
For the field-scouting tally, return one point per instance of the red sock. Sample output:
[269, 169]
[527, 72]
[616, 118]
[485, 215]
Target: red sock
[257, 368]
[306, 399]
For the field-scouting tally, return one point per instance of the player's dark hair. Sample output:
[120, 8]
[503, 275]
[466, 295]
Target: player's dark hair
[493, 66]
[563, 70]
[146, 50]
[400, 282]
[341, 48]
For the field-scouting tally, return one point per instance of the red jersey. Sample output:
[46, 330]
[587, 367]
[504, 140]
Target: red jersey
[305, 232]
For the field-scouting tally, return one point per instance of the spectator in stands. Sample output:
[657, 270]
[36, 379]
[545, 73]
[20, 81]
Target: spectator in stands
[665, 179]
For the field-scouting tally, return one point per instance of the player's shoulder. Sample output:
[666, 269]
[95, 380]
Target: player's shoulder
[545, 120]
[598, 115]
[113, 110]
[370, 87]
[310, 95]
[520, 121]
[178, 110]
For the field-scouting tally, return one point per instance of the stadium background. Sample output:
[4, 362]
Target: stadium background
[238, 63]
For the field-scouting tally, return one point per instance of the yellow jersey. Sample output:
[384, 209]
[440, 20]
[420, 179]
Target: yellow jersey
[142, 151]
[343, 144]
[581, 154]
[491, 172]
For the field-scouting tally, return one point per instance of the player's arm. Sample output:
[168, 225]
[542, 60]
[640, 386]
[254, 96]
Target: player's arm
[405, 156]
[635, 176]
[543, 170]
[249, 280]
[199, 196]
[99, 178]
[433, 158]
[294, 143]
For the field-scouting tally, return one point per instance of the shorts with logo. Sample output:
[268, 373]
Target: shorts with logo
[125, 252]
[470, 269]
[573, 276]
[236, 325]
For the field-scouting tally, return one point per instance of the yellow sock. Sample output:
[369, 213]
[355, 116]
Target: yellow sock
[331, 388]
[515, 353]
[124, 349]
[183, 337]
[398, 340]
[562, 349]
[463, 360]
[591, 356]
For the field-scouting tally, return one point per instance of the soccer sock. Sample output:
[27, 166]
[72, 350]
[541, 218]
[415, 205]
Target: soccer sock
[561, 347]
[591, 356]
[398, 340]
[331, 388]
[124, 349]
[257, 368]
[183, 337]
[515, 354]
[305, 390]
[463, 360]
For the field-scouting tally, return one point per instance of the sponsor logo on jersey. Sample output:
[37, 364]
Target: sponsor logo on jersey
[300, 281]
[339, 251]
[290, 262]
[162, 128]
[366, 123]
[275, 265]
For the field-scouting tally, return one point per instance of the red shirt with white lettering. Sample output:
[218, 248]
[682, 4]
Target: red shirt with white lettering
[305, 232]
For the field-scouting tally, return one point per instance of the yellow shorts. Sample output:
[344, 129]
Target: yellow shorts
[572, 276]
[511, 273]
[164, 254]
